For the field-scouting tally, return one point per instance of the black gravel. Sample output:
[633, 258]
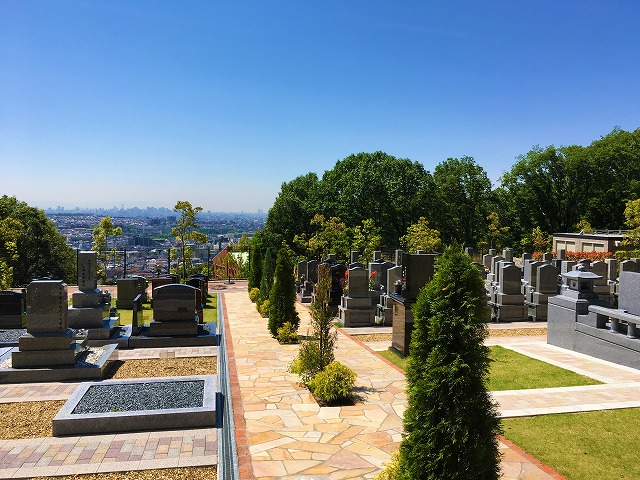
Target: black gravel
[130, 397]
[11, 335]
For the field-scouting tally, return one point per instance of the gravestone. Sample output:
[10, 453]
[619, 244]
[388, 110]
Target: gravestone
[174, 311]
[355, 309]
[546, 287]
[137, 319]
[48, 341]
[629, 292]
[562, 254]
[198, 284]
[507, 301]
[628, 266]
[90, 307]
[493, 252]
[547, 257]
[507, 253]
[128, 289]
[338, 273]
[11, 309]
[486, 260]
[312, 271]
[417, 271]
[354, 260]
[158, 282]
[612, 269]
[302, 270]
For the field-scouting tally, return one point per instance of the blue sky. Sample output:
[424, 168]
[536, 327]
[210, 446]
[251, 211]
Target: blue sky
[140, 103]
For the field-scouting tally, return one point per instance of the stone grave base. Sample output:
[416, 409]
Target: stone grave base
[68, 423]
[355, 318]
[89, 366]
[508, 313]
[305, 298]
[537, 312]
[119, 335]
[207, 336]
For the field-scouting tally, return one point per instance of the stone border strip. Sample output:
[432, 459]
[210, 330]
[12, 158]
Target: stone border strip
[245, 468]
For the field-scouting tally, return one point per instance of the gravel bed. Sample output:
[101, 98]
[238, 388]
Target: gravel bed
[11, 335]
[187, 473]
[28, 419]
[517, 332]
[88, 358]
[130, 397]
[171, 367]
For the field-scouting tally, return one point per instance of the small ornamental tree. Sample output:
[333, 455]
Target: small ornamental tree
[282, 300]
[451, 424]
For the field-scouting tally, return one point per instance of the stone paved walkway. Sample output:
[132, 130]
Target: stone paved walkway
[26, 458]
[291, 437]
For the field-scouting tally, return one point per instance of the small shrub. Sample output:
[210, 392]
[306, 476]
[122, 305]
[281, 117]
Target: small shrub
[307, 361]
[264, 308]
[287, 334]
[254, 294]
[335, 382]
[391, 468]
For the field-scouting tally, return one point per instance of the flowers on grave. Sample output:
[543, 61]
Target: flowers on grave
[344, 284]
[372, 280]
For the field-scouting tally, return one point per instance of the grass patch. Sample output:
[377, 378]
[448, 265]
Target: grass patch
[510, 370]
[394, 357]
[582, 446]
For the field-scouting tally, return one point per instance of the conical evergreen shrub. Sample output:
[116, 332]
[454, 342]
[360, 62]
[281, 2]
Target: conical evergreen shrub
[282, 299]
[451, 423]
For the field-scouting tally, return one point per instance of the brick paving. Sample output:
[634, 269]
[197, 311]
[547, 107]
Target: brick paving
[26, 458]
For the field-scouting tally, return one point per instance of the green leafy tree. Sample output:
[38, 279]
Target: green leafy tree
[537, 241]
[393, 191]
[101, 234]
[282, 300]
[186, 230]
[496, 231]
[331, 236]
[10, 233]
[632, 221]
[31, 246]
[584, 226]
[420, 237]
[451, 424]
[366, 238]
[462, 192]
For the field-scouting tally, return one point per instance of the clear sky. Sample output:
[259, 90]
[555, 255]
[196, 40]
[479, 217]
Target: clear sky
[144, 103]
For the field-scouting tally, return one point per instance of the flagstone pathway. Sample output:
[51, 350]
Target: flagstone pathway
[290, 437]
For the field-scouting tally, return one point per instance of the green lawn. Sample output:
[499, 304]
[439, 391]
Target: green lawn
[513, 371]
[582, 446]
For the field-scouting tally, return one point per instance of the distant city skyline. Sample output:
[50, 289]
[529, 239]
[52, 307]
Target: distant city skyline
[147, 103]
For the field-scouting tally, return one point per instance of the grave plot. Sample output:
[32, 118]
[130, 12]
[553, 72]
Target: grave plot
[144, 404]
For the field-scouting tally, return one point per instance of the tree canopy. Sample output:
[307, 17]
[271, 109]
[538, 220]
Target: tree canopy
[31, 246]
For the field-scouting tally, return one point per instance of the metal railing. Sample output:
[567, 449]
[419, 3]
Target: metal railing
[227, 452]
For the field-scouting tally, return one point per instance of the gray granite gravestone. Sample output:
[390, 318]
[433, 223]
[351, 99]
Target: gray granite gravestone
[48, 341]
[174, 311]
[11, 309]
[355, 309]
[90, 308]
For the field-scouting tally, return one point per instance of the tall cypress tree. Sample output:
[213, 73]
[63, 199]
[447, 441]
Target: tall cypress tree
[255, 268]
[282, 302]
[451, 423]
[268, 267]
